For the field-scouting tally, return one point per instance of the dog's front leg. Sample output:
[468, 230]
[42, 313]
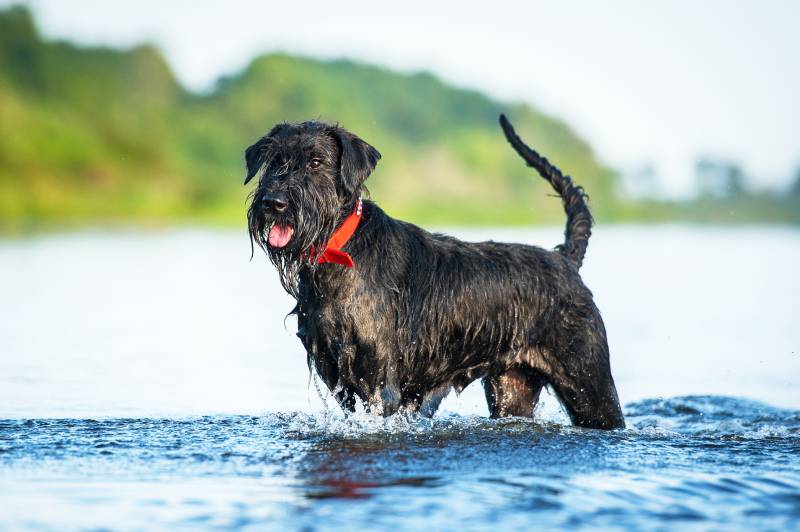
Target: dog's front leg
[322, 361]
[346, 398]
[382, 390]
[384, 401]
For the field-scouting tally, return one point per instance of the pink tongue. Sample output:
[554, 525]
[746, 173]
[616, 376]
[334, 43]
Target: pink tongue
[279, 235]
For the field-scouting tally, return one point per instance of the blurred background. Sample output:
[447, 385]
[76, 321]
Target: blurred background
[125, 285]
[133, 113]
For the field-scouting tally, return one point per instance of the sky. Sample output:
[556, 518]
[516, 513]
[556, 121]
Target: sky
[655, 83]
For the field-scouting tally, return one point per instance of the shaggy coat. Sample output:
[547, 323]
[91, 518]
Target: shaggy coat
[422, 313]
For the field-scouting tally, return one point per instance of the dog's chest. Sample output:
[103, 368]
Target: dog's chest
[326, 323]
[339, 318]
[326, 315]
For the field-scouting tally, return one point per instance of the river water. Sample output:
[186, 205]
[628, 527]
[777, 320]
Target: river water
[150, 380]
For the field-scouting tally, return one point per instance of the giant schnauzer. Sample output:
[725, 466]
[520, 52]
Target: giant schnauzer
[397, 316]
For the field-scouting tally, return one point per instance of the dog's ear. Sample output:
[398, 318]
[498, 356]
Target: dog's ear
[358, 160]
[254, 159]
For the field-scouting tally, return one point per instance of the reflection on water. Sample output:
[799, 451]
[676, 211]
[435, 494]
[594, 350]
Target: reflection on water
[148, 381]
[681, 461]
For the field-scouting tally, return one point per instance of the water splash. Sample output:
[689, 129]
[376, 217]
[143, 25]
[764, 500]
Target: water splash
[699, 460]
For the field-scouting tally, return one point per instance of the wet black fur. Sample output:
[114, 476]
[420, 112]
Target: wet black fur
[422, 313]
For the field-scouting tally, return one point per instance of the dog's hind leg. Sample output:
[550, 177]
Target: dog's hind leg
[513, 392]
[590, 402]
[581, 377]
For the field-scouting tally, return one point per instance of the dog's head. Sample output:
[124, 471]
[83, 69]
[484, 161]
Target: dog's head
[310, 176]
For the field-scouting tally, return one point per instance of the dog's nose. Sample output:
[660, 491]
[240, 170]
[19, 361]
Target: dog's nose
[275, 204]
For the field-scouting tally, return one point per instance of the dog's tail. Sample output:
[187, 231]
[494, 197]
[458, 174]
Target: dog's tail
[579, 219]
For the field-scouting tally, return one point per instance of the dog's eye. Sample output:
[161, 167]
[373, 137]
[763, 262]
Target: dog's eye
[314, 163]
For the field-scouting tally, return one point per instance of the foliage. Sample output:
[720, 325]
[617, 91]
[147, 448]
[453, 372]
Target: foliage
[99, 135]
[719, 178]
[96, 134]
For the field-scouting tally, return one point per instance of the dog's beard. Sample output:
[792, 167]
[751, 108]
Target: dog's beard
[310, 221]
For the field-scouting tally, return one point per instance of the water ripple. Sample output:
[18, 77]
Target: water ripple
[691, 461]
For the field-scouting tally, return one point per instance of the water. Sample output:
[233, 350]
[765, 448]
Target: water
[147, 381]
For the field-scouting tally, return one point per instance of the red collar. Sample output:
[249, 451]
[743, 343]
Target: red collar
[333, 251]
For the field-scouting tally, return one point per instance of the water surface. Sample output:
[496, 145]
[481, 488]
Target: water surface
[147, 380]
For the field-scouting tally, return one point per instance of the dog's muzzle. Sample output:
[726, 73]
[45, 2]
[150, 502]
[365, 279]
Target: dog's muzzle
[269, 208]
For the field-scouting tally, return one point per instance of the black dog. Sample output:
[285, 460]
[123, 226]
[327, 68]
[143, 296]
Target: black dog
[397, 316]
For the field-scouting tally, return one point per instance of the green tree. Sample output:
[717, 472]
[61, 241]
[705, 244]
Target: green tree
[719, 178]
[794, 188]
[95, 134]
